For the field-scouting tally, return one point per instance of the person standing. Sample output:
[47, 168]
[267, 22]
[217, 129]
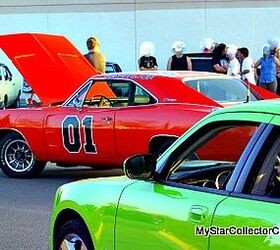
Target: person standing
[219, 62]
[277, 55]
[234, 65]
[267, 65]
[207, 45]
[95, 57]
[147, 61]
[179, 61]
[247, 71]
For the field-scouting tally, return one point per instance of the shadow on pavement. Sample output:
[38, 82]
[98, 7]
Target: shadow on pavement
[76, 173]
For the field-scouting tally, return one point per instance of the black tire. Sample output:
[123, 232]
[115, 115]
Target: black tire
[17, 159]
[5, 102]
[75, 233]
[16, 103]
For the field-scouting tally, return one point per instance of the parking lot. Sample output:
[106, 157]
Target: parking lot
[26, 205]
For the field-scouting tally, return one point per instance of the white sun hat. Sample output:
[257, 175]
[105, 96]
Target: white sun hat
[207, 43]
[178, 46]
[147, 48]
[231, 49]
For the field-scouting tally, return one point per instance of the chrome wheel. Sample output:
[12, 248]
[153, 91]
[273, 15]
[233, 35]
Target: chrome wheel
[18, 156]
[17, 159]
[72, 242]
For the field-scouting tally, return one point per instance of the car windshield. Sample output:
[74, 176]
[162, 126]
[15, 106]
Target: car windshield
[222, 90]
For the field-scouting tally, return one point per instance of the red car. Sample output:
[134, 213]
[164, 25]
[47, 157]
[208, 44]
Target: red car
[106, 119]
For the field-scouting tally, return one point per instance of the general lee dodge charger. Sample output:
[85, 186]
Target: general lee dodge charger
[109, 117]
[186, 199]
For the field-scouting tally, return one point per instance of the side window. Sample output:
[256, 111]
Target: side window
[109, 68]
[7, 74]
[142, 97]
[108, 93]
[210, 160]
[273, 186]
[120, 88]
[111, 93]
[267, 177]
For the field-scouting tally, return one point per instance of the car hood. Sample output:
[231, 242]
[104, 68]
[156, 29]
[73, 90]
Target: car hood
[50, 64]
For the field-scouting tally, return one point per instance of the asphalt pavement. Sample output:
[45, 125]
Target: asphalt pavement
[25, 205]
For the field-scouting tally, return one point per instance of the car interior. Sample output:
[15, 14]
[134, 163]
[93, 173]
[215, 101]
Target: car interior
[212, 161]
[116, 94]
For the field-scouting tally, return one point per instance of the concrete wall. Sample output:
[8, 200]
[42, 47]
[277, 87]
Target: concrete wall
[122, 25]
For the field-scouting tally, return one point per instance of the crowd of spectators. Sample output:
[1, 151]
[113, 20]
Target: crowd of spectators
[234, 61]
[226, 59]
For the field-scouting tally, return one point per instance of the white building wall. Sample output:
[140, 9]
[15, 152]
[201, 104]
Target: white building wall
[121, 25]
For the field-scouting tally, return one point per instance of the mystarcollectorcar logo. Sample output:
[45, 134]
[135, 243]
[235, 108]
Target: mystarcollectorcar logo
[238, 231]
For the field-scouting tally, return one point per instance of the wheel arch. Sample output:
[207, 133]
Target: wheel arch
[62, 218]
[30, 166]
[6, 131]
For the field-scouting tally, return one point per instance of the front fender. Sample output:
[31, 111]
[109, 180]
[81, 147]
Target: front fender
[29, 124]
[96, 202]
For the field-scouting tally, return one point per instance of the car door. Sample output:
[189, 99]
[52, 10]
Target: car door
[156, 216]
[136, 118]
[143, 119]
[82, 134]
[170, 211]
[249, 217]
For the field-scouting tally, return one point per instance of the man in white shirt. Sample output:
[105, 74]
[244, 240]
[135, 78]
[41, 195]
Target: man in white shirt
[234, 65]
[247, 71]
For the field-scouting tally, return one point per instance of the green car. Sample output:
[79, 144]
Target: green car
[217, 187]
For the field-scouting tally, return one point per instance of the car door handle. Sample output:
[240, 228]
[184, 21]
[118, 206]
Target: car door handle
[198, 214]
[107, 118]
